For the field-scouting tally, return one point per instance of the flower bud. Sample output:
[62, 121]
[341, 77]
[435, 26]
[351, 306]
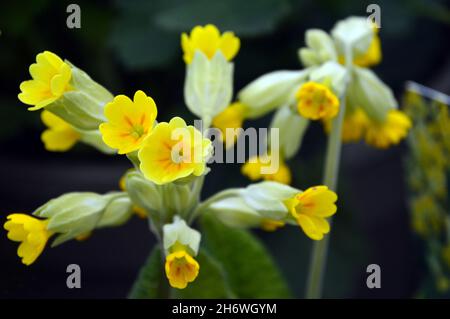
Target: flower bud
[208, 88]
[270, 91]
[320, 48]
[355, 33]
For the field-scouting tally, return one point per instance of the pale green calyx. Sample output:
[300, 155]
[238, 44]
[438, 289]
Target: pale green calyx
[320, 48]
[367, 91]
[235, 212]
[208, 87]
[270, 91]
[355, 33]
[331, 74]
[292, 128]
[75, 214]
[82, 107]
[178, 232]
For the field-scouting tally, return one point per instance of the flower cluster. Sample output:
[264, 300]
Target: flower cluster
[169, 158]
[335, 69]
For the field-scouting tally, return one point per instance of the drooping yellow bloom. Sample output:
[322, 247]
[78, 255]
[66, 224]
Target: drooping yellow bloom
[31, 232]
[311, 208]
[208, 40]
[174, 150]
[271, 224]
[51, 77]
[390, 132]
[232, 117]
[354, 126]
[316, 101]
[181, 268]
[60, 136]
[129, 122]
[253, 170]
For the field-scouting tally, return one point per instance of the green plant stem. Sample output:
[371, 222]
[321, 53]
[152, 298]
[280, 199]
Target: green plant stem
[320, 248]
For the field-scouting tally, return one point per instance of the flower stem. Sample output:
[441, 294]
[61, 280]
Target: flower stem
[331, 171]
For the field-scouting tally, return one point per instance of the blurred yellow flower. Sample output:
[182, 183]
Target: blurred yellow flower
[31, 232]
[232, 117]
[129, 122]
[253, 170]
[271, 224]
[311, 208]
[50, 79]
[208, 40]
[60, 136]
[390, 132]
[174, 150]
[354, 125]
[181, 268]
[316, 101]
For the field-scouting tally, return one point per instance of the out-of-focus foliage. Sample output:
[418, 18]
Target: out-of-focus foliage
[428, 167]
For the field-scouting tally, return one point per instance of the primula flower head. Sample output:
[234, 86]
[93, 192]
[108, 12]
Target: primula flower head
[174, 150]
[310, 209]
[390, 132]
[60, 135]
[50, 79]
[208, 40]
[31, 232]
[181, 268]
[316, 101]
[129, 122]
[232, 117]
[253, 170]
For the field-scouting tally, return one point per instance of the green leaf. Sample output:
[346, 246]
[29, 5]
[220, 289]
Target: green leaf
[249, 268]
[246, 18]
[151, 281]
[210, 283]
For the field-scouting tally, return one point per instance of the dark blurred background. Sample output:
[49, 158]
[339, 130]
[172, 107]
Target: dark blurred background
[131, 45]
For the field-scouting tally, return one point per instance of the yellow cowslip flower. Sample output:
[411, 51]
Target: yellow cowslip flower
[354, 126]
[31, 232]
[316, 101]
[232, 117]
[271, 224]
[181, 268]
[60, 136]
[253, 170]
[208, 40]
[129, 122]
[174, 150]
[51, 77]
[311, 208]
[390, 132]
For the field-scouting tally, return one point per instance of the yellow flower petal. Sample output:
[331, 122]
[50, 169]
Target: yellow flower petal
[50, 80]
[59, 136]
[31, 232]
[172, 151]
[208, 40]
[129, 122]
[390, 132]
[181, 269]
[316, 101]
